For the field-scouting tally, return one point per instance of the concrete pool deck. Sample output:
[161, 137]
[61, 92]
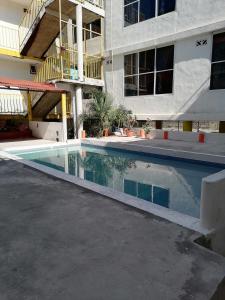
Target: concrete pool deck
[180, 149]
[208, 152]
[61, 241]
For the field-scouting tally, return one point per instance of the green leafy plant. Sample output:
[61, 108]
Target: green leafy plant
[131, 122]
[98, 113]
[147, 126]
[119, 116]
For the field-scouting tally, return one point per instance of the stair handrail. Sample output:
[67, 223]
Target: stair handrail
[29, 19]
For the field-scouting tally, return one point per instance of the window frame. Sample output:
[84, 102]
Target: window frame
[154, 72]
[215, 62]
[156, 11]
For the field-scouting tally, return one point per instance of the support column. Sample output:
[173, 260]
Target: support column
[187, 126]
[102, 45]
[79, 110]
[29, 106]
[75, 121]
[70, 38]
[158, 124]
[64, 118]
[79, 29]
[222, 127]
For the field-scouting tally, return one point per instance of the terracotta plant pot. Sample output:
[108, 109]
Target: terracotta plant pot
[148, 136]
[142, 133]
[106, 132]
[130, 133]
[83, 134]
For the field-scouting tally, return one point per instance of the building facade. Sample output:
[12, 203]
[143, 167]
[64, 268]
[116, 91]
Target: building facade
[51, 41]
[166, 58]
[162, 59]
[12, 64]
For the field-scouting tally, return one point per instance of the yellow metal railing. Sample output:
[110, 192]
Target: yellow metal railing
[49, 70]
[93, 67]
[65, 66]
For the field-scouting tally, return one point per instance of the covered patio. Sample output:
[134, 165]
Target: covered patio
[40, 98]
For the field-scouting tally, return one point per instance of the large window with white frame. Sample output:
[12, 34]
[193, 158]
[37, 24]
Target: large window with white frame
[218, 62]
[136, 11]
[149, 72]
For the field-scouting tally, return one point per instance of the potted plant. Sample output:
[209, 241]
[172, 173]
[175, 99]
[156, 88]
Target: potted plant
[147, 128]
[131, 122]
[98, 115]
[119, 117]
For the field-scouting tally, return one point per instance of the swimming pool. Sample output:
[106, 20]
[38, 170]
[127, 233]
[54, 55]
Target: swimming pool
[170, 183]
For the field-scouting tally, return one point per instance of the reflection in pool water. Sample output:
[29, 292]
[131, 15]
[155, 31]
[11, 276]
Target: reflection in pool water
[166, 182]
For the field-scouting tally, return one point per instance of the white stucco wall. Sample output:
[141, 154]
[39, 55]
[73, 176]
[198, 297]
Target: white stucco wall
[191, 99]
[12, 101]
[52, 131]
[189, 15]
[213, 201]
[11, 13]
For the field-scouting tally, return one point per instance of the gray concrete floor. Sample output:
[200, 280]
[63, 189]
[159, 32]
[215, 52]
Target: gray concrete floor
[59, 241]
[207, 148]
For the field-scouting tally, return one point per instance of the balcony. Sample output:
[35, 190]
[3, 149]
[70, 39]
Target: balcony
[9, 39]
[40, 24]
[61, 62]
[64, 67]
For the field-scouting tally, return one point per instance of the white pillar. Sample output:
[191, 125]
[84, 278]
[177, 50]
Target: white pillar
[70, 33]
[73, 97]
[64, 118]
[79, 29]
[79, 110]
[212, 210]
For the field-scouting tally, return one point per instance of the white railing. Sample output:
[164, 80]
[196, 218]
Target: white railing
[9, 38]
[29, 19]
[12, 103]
[99, 3]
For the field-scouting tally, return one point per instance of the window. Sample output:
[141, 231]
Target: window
[166, 6]
[149, 72]
[136, 11]
[218, 62]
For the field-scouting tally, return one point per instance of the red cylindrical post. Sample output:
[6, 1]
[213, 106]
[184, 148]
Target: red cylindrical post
[165, 135]
[201, 138]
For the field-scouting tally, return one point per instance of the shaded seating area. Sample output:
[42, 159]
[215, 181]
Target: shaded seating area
[10, 129]
[40, 99]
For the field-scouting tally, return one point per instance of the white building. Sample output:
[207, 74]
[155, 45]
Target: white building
[166, 58]
[163, 59]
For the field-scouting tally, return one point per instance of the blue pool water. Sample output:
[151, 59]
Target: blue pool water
[170, 183]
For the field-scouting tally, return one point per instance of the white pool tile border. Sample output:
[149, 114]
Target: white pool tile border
[159, 211]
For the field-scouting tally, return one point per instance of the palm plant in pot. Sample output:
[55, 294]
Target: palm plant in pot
[98, 113]
[131, 122]
[147, 128]
[119, 118]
